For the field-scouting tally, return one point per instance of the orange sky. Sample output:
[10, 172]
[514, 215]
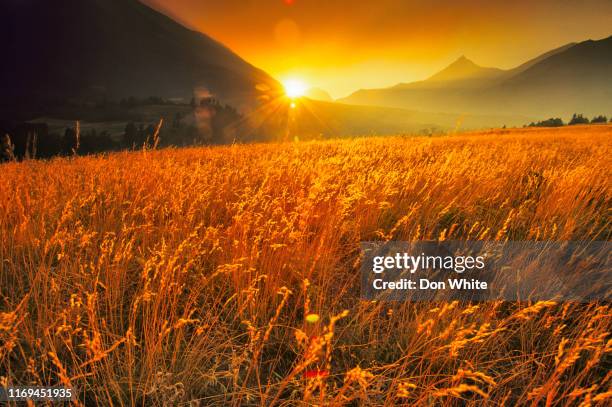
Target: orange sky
[344, 45]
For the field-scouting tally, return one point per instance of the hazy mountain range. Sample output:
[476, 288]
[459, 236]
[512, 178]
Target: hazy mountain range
[572, 78]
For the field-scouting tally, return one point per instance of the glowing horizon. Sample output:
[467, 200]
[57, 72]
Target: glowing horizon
[346, 45]
[294, 87]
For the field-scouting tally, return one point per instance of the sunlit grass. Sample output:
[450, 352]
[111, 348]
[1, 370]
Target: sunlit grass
[229, 275]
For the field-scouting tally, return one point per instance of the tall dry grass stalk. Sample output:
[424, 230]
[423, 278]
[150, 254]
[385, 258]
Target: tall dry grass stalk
[77, 138]
[228, 275]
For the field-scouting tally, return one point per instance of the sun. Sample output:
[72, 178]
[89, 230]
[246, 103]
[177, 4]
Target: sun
[294, 88]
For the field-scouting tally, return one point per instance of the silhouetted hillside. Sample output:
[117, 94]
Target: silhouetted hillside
[524, 66]
[92, 50]
[577, 79]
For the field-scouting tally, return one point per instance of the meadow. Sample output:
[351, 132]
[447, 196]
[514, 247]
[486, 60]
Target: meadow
[229, 275]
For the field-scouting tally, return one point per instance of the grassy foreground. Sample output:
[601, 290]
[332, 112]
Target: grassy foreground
[229, 275]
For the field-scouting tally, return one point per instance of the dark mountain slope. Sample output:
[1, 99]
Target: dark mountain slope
[524, 66]
[586, 64]
[97, 49]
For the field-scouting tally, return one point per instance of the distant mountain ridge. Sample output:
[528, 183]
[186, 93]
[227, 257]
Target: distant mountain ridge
[526, 65]
[464, 69]
[574, 78]
[110, 49]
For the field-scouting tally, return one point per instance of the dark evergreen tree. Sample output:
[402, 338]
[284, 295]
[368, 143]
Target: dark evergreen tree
[552, 122]
[130, 136]
[69, 141]
[578, 119]
[176, 122]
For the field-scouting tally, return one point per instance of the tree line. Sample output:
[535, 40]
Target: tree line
[211, 122]
[577, 118]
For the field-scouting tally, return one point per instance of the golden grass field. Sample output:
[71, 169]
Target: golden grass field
[188, 277]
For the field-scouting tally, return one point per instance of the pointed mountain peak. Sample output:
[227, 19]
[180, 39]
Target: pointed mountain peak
[463, 63]
[463, 68]
[463, 59]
